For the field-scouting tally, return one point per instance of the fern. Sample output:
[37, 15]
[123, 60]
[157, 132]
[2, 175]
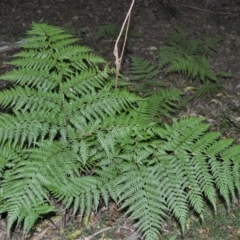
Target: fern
[78, 32]
[211, 43]
[110, 29]
[208, 89]
[50, 117]
[189, 57]
[142, 75]
[72, 138]
[142, 69]
[140, 193]
[163, 101]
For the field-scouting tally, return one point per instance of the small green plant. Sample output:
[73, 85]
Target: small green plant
[112, 30]
[189, 57]
[73, 138]
[208, 89]
[108, 29]
[163, 102]
[142, 74]
[142, 69]
[77, 32]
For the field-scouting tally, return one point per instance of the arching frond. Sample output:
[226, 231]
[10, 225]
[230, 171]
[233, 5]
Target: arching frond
[73, 138]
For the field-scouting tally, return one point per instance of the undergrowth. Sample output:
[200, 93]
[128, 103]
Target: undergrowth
[189, 58]
[73, 139]
[110, 29]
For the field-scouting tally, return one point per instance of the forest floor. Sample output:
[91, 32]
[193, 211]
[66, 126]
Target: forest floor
[154, 21]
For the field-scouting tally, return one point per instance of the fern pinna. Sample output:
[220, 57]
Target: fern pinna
[73, 138]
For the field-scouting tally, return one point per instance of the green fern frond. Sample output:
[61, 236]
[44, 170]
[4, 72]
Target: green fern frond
[208, 89]
[185, 47]
[75, 31]
[168, 54]
[138, 190]
[147, 88]
[42, 33]
[205, 70]
[211, 43]
[175, 39]
[27, 129]
[185, 65]
[83, 193]
[230, 155]
[108, 174]
[180, 41]
[188, 56]
[20, 198]
[72, 138]
[28, 99]
[30, 78]
[163, 103]
[223, 74]
[193, 67]
[30, 217]
[142, 69]
[110, 29]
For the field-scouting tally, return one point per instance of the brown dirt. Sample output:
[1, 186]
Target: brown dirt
[154, 21]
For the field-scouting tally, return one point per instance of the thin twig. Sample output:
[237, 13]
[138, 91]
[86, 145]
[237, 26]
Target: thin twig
[206, 10]
[95, 234]
[54, 224]
[118, 60]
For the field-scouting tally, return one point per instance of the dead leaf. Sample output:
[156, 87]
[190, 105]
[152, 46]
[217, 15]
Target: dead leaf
[73, 235]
